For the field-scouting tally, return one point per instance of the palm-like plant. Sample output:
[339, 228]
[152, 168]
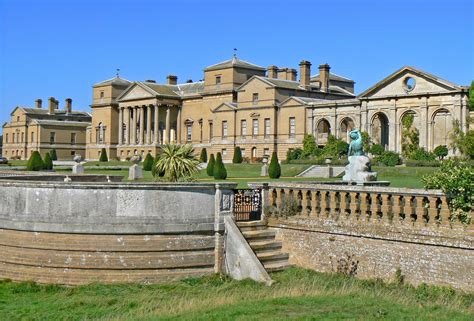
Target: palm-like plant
[177, 162]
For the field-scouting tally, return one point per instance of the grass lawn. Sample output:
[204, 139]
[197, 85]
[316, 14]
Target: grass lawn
[297, 294]
[244, 173]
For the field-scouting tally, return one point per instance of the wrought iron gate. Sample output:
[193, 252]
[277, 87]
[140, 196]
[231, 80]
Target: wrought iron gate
[248, 204]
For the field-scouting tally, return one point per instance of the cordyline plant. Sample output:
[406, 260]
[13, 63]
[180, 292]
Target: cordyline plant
[455, 179]
[177, 162]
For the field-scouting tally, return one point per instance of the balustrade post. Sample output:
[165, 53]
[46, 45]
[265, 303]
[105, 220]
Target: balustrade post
[343, 204]
[397, 209]
[353, 206]
[408, 209]
[432, 210]
[324, 204]
[333, 206]
[374, 208]
[364, 206]
[385, 208]
[279, 198]
[314, 204]
[304, 202]
[419, 211]
[444, 212]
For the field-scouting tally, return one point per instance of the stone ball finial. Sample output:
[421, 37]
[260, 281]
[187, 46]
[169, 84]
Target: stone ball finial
[136, 159]
[77, 158]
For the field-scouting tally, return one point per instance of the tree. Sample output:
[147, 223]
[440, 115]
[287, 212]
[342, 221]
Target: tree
[237, 159]
[148, 162]
[309, 145]
[410, 136]
[35, 162]
[203, 156]
[219, 169]
[210, 166]
[441, 151]
[274, 170]
[462, 141]
[48, 162]
[365, 141]
[178, 162]
[376, 149]
[103, 156]
[471, 96]
[53, 155]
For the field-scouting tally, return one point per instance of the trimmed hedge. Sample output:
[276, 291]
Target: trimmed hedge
[103, 156]
[35, 162]
[387, 158]
[237, 159]
[54, 156]
[274, 170]
[148, 162]
[48, 162]
[219, 169]
[422, 163]
[210, 166]
[203, 156]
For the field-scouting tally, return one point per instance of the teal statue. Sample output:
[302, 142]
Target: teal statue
[356, 146]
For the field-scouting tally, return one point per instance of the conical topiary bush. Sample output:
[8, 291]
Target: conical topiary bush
[148, 162]
[219, 169]
[237, 159]
[210, 166]
[103, 156]
[48, 162]
[203, 156]
[53, 155]
[35, 162]
[274, 170]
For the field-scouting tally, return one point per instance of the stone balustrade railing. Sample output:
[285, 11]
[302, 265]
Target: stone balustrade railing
[361, 204]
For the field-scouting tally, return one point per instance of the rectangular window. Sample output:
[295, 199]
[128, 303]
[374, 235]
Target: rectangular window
[218, 80]
[6, 138]
[267, 127]
[189, 133]
[52, 137]
[101, 94]
[255, 127]
[292, 127]
[211, 131]
[73, 138]
[73, 152]
[242, 151]
[22, 137]
[224, 152]
[224, 129]
[32, 137]
[266, 152]
[255, 98]
[243, 128]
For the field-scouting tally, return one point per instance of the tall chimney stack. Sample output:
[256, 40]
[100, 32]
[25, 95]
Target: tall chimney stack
[68, 105]
[291, 74]
[272, 71]
[324, 77]
[282, 73]
[305, 73]
[53, 104]
[38, 102]
[172, 79]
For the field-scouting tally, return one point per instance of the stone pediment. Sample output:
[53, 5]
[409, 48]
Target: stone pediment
[409, 81]
[136, 92]
[225, 107]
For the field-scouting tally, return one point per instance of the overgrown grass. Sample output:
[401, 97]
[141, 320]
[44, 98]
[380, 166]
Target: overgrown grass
[297, 294]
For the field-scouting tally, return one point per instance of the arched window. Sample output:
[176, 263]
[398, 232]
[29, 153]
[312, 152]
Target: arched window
[100, 133]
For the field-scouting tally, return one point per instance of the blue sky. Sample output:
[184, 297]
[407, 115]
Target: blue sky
[61, 48]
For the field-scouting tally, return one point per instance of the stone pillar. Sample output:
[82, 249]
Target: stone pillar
[148, 124]
[127, 133]
[134, 126]
[392, 129]
[424, 124]
[142, 125]
[120, 126]
[178, 126]
[156, 129]
[166, 139]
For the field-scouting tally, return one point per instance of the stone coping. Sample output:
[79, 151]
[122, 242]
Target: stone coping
[348, 188]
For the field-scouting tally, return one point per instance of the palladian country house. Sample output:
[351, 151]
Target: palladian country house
[238, 103]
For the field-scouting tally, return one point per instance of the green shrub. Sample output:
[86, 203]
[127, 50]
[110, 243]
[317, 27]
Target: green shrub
[365, 141]
[410, 136]
[441, 151]
[203, 156]
[455, 180]
[471, 96]
[154, 167]
[210, 166]
[103, 156]
[422, 163]
[219, 169]
[387, 158]
[335, 148]
[177, 162]
[309, 145]
[35, 162]
[148, 162]
[420, 154]
[376, 149]
[48, 162]
[293, 154]
[237, 159]
[274, 170]
[54, 156]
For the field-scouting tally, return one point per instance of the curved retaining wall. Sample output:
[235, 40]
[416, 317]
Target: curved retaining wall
[71, 233]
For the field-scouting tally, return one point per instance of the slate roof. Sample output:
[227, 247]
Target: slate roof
[114, 81]
[61, 122]
[57, 112]
[333, 76]
[234, 62]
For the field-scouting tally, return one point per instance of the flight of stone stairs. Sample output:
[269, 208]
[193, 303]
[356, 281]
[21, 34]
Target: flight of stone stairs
[262, 241]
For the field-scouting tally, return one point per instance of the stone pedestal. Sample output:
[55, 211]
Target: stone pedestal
[135, 172]
[359, 170]
[264, 170]
[78, 169]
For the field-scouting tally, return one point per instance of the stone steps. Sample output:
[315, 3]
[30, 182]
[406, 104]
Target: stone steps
[262, 241]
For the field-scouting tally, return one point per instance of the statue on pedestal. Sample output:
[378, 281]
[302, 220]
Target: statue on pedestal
[358, 170]
[77, 168]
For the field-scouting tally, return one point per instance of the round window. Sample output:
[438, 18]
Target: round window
[409, 83]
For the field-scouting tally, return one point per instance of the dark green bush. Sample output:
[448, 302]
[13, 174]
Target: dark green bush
[148, 162]
[219, 169]
[335, 148]
[421, 154]
[441, 151]
[53, 155]
[103, 156]
[203, 156]
[35, 162]
[153, 167]
[422, 163]
[210, 166]
[387, 158]
[237, 159]
[376, 149]
[274, 170]
[48, 163]
[309, 145]
[293, 154]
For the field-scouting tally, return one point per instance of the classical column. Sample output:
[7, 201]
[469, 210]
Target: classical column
[178, 126]
[127, 133]
[142, 124]
[168, 125]
[120, 126]
[148, 124]
[134, 126]
[156, 129]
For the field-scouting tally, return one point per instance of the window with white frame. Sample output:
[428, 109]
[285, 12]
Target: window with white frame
[189, 131]
[255, 98]
[218, 80]
[243, 127]
[255, 127]
[267, 128]
[52, 137]
[224, 129]
[292, 127]
[266, 152]
[73, 138]
[224, 152]
[242, 151]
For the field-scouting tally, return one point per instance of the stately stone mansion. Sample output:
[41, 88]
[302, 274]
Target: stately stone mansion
[261, 110]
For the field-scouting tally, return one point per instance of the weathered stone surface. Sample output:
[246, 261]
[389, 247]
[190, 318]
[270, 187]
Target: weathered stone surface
[358, 170]
[78, 169]
[135, 172]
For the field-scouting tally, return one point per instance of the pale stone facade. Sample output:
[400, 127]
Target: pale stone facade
[41, 129]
